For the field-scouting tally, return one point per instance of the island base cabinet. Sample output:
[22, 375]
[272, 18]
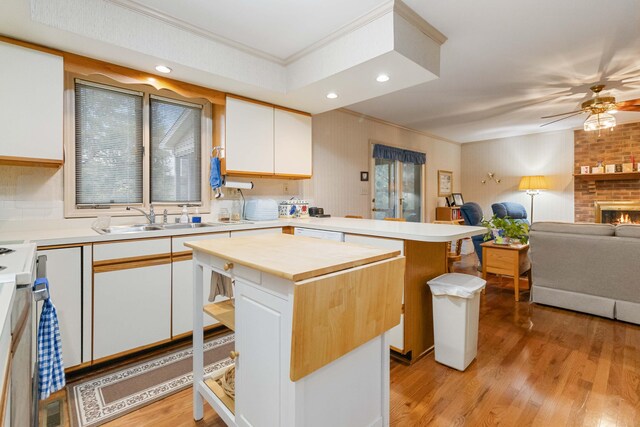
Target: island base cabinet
[262, 331]
[130, 308]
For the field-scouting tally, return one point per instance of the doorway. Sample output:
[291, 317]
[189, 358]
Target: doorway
[397, 190]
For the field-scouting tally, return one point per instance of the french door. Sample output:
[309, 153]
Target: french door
[397, 190]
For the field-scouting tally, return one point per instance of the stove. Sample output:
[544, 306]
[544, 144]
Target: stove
[19, 260]
[6, 251]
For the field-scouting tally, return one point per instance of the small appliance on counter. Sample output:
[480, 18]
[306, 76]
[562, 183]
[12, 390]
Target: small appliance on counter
[294, 208]
[318, 213]
[261, 210]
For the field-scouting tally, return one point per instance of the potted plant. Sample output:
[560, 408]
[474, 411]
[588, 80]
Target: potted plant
[506, 230]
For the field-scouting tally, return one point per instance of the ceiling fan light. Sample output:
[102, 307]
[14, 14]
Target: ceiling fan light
[599, 122]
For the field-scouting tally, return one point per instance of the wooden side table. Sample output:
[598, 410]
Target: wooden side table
[506, 260]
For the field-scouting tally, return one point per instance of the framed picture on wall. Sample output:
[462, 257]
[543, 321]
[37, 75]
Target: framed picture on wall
[457, 199]
[445, 183]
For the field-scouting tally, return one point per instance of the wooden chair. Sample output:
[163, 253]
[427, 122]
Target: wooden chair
[353, 216]
[395, 219]
[454, 253]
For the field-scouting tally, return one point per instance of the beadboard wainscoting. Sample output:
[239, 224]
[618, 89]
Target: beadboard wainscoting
[341, 150]
[549, 154]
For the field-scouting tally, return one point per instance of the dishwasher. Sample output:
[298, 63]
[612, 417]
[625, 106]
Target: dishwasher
[319, 234]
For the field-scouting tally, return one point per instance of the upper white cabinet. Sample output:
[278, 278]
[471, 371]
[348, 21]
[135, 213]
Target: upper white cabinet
[249, 137]
[292, 143]
[266, 140]
[31, 93]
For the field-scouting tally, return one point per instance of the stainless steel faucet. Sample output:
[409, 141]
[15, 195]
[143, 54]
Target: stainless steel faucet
[151, 216]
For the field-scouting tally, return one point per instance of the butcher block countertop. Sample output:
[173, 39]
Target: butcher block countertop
[292, 257]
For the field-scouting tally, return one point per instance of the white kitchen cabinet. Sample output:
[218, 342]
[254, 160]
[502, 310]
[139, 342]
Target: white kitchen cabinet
[264, 362]
[292, 143]
[249, 137]
[396, 334]
[131, 295]
[262, 139]
[132, 308]
[182, 285]
[32, 86]
[64, 272]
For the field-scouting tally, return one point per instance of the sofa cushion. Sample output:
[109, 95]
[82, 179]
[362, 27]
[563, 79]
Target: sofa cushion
[628, 230]
[590, 229]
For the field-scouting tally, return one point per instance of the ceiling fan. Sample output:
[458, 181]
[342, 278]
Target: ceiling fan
[600, 109]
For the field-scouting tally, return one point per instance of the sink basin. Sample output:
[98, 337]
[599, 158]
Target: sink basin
[123, 229]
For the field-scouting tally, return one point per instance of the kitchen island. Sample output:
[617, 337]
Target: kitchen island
[311, 319]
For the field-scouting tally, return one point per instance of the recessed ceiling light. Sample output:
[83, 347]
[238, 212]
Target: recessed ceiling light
[163, 69]
[382, 78]
[332, 95]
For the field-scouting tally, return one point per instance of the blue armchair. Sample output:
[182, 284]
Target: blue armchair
[512, 210]
[472, 215]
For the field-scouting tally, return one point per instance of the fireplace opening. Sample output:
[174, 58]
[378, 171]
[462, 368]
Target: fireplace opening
[618, 212]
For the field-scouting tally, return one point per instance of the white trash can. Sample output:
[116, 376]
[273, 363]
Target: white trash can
[456, 312]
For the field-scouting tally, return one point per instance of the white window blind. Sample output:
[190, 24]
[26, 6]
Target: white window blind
[175, 151]
[109, 145]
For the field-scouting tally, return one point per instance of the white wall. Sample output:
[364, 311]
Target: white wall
[341, 150]
[549, 154]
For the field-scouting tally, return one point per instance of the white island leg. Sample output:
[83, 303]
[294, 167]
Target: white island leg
[198, 340]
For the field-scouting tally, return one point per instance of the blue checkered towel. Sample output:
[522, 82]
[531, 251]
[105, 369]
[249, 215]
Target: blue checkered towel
[51, 368]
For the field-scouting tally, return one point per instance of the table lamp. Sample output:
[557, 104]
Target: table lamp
[532, 185]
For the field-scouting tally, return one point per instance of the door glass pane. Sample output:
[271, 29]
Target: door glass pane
[412, 192]
[385, 189]
[175, 152]
[109, 148]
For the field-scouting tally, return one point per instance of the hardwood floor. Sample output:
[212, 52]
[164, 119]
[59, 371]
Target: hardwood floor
[536, 366]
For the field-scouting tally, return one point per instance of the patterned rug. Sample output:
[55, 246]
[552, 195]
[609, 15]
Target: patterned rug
[100, 399]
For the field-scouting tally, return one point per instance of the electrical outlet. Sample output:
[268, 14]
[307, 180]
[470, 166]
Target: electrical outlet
[285, 188]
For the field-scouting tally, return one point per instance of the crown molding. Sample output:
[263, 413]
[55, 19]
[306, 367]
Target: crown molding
[395, 125]
[136, 7]
[354, 25]
[418, 21]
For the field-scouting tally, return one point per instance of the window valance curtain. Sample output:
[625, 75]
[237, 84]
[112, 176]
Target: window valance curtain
[393, 153]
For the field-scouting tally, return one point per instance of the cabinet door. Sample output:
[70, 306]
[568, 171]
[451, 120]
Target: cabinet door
[132, 308]
[64, 271]
[31, 84]
[249, 137]
[182, 291]
[263, 341]
[292, 143]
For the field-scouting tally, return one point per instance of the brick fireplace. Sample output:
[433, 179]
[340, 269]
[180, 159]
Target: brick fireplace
[611, 147]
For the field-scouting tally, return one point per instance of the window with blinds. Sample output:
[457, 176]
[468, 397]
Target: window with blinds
[175, 151]
[109, 145]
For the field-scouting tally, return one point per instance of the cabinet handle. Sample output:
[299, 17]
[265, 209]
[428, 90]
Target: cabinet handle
[234, 355]
[228, 266]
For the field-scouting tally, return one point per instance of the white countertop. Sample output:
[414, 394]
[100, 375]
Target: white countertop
[390, 229]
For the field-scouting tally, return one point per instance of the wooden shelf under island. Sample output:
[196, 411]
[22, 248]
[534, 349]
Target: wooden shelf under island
[223, 311]
[607, 176]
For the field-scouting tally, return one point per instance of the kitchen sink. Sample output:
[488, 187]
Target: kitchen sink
[138, 228]
[124, 229]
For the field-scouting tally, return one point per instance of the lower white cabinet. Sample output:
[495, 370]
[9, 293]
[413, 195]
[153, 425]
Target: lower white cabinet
[132, 308]
[262, 367]
[64, 271]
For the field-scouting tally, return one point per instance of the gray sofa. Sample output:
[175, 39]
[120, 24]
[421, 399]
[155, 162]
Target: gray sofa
[592, 268]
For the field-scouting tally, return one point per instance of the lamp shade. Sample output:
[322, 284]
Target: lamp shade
[535, 182]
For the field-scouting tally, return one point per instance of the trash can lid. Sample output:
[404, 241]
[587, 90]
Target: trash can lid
[456, 284]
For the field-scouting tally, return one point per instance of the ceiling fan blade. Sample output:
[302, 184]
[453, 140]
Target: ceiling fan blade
[629, 108]
[562, 114]
[630, 103]
[579, 112]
